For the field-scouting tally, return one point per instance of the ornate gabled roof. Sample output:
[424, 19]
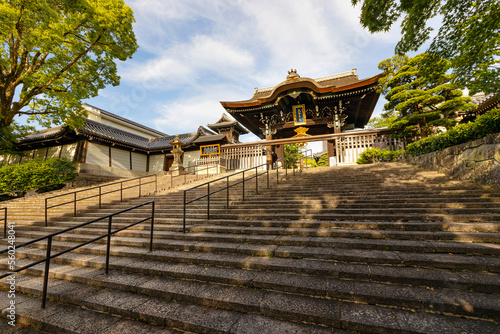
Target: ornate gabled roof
[225, 122]
[330, 84]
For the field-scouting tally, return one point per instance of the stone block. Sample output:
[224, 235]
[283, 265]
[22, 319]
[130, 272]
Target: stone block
[301, 308]
[252, 323]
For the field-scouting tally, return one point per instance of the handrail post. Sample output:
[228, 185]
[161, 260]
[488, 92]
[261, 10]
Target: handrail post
[108, 245]
[99, 197]
[121, 191]
[256, 181]
[267, 171]
[184, 216]
[243, 185]
[46, 273]
[46, 212]
[171, 181]
[74, 205]
[286, 169]
[152, 225]
[156, 183]
[208, 201]
[227, 192]
[277, 173]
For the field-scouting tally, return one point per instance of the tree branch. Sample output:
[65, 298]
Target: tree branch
[38, 90]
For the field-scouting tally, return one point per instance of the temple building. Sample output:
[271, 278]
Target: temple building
[331, 104]
[304, 109]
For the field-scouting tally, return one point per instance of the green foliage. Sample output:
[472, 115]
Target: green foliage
[385, 119]
[310, 162]
[484, 125]
[468, 36]
[35, 174]
[293, 152]
[424, 100]
[55, 53]
[323, 160]
[8, 137]
[374, 154]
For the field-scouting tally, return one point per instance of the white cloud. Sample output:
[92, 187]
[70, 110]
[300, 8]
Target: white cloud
[195, 53]
[185, 63]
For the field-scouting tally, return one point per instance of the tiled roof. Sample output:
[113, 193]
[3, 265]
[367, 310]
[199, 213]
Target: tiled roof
[114, 135]
[480, 99]
[206, 139]
[92, 128]
[225, 121]
[107, 113]
[43, 134]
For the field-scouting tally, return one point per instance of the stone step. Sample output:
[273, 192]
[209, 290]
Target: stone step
[63, 318]
[412, 257]
[278, 211]
[425, 242]
[265, 227]
[231, 268]
[307, 204]
[118, 297]
[356, 216]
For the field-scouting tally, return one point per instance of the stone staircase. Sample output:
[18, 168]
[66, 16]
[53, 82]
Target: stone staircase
[383, 248]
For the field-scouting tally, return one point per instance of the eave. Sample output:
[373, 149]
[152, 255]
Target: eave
[302, 83]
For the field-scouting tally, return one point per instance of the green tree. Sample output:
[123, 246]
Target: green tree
[469, 35]
[293, 152]
[55, 53]
[424, 100]
[390, 67]
[384, 120]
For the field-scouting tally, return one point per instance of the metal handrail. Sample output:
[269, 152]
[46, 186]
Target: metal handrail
[4, 222]
[49, 237]
[256, 176]
[74, 193]
[185, 174]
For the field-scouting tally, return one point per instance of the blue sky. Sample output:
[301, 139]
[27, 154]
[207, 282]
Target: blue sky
[194, 53]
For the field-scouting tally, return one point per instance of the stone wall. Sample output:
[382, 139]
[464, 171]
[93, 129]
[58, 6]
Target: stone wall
[476, 161]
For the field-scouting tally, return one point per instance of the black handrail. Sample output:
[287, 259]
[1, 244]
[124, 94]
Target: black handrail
[49, 237]
[74, 193]
[4, 222]
[184, 174]
[256, 176]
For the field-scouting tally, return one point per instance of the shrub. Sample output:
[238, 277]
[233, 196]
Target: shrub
[35, 174]
[323, 160]
[484, 125]
[374, 154]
